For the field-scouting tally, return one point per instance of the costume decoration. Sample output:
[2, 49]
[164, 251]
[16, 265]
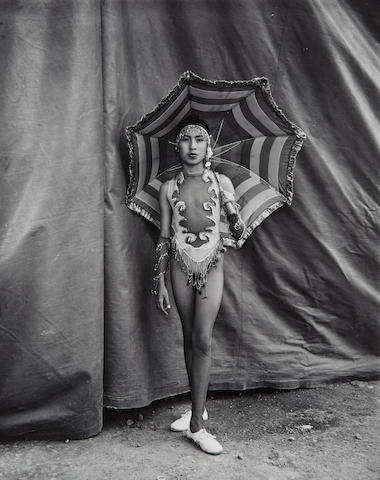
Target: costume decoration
[197, 130]
[232, 210]
[162, 261]
[196, 242]
[192, 129]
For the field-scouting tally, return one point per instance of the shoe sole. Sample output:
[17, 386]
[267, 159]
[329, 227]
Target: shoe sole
[176, 430]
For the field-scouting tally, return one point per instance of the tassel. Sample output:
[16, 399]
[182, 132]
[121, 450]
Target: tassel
[197, 272]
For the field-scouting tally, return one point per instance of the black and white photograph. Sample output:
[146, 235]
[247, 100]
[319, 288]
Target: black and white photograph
[189, 239]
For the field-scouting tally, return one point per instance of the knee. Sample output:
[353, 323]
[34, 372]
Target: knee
[201, 343]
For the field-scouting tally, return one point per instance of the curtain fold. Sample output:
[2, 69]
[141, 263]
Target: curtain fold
[51, 230]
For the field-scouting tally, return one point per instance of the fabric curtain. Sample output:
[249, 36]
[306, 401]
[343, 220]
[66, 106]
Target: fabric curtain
[300, 305]
[51, 230]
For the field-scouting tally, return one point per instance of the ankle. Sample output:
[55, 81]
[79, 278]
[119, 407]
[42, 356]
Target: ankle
[196, 424]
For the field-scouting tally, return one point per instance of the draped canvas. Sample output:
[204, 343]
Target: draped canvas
[300, 305]
[51, 231]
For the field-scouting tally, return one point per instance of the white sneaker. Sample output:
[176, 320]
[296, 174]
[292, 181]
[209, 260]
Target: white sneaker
[183, 422]
[205, 441]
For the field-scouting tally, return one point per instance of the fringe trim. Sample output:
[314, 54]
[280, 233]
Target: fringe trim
[186, 78]
[141, 211]
[132, 186]
[229, 242]
[296, 147]
[249, 230]
[197, 272]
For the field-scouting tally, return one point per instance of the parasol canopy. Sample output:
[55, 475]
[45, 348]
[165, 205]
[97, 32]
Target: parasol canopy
[253, 142]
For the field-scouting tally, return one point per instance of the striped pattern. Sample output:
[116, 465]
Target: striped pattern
[253, 150]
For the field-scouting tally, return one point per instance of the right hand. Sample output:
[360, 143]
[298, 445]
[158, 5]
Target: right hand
[162, 299]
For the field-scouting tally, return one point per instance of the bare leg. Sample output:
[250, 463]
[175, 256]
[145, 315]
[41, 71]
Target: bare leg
[184, 297]
[206, 309]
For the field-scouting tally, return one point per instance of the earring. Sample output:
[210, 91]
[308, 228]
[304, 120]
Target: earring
[209, 154]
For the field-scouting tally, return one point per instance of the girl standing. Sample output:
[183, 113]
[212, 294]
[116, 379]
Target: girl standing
[190, 207]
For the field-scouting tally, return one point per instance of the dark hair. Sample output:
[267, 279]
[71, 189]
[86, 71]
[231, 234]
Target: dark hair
[192, 120]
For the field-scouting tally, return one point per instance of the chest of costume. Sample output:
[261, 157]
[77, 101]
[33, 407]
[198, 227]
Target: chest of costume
[195, 209]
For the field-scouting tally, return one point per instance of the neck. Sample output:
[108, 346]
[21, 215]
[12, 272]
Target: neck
[193, 171]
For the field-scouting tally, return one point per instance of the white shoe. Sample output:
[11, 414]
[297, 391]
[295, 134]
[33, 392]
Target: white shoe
[205, 441]
[183, 422]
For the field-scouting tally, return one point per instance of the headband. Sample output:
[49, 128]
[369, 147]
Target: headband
[189, 128]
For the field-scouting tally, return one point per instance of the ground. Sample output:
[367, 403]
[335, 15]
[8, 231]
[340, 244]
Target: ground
[325, 433]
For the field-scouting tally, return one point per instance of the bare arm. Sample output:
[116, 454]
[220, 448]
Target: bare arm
[162, 253]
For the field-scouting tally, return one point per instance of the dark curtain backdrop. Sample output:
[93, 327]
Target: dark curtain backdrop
[51, 194]
[300, 306]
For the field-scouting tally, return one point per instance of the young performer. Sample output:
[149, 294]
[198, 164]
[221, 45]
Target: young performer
[190, 207]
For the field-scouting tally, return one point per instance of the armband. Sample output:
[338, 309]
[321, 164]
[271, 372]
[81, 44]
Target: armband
[231, 208]
[162, 261]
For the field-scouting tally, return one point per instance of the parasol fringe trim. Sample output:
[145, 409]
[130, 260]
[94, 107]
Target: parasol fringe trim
[296, 147]
[132, 186]
[186, 78]
[249, 230]
[141, 211]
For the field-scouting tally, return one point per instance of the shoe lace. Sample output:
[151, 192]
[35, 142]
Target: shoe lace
[187, 412]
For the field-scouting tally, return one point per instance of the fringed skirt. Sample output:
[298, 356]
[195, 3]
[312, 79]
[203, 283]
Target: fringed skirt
[196, 262]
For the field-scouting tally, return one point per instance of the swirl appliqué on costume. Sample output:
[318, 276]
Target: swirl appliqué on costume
[198, 223]
[196, 242]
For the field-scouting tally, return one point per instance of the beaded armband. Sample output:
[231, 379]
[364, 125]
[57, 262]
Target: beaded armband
[232, 210]
[162, 261]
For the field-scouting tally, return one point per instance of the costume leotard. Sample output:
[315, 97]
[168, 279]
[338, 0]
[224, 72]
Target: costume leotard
[196, 242]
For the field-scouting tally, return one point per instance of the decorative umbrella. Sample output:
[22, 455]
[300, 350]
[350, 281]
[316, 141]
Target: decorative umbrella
[253, 142]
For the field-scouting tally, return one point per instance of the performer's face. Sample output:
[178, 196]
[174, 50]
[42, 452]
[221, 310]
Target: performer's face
[192, 144]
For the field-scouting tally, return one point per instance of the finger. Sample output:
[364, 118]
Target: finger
[162, 306]
[167, 303]
[160, 303]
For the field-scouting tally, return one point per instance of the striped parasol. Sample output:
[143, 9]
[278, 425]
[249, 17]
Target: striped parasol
[254, 144]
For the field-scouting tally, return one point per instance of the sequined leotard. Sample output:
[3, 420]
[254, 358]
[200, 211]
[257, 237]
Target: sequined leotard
[195, 242]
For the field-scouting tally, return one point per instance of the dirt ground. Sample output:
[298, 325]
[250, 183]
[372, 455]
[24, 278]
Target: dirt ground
[329, 433]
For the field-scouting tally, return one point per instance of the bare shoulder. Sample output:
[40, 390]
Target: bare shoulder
[226, 183]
